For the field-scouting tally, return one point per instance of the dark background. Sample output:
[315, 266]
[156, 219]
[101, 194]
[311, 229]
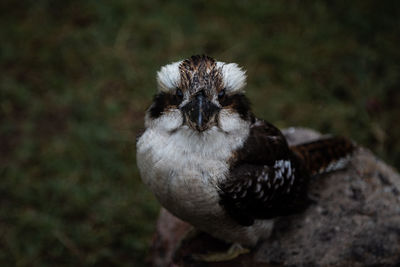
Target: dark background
[76, 77]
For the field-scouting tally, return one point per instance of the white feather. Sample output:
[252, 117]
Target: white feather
[169, 77]
[234, 77]
[336, 165]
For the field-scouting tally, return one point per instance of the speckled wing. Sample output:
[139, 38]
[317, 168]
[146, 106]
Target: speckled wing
[265, 180]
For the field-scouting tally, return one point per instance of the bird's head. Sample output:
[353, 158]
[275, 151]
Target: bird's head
[199, 94]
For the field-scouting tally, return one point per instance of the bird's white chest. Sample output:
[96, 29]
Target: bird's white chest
[183, 169]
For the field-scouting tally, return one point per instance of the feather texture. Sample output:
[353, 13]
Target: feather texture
[265, 180]
[325, 155]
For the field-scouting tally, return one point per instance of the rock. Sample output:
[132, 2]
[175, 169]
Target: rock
[355, 221]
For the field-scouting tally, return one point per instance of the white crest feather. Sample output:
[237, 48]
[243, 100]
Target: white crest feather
[168, 78]
[233, 76]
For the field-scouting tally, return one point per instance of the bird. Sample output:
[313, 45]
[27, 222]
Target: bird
[212, 163]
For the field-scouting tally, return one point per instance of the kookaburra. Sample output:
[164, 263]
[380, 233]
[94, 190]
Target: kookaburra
[212, 163]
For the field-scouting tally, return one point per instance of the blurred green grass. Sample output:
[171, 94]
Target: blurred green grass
[76, 77]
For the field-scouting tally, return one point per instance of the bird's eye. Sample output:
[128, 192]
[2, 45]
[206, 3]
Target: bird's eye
[221, 94]
[179, 93]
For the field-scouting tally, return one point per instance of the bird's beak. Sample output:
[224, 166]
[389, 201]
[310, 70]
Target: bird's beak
[200, 112]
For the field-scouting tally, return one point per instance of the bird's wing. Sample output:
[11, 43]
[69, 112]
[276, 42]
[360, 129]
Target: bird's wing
[265, 180]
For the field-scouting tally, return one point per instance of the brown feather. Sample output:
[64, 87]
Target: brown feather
[200, 72]
[318, 156]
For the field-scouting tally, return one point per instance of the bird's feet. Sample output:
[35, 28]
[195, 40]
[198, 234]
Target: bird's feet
[200, 247]
[233, 252]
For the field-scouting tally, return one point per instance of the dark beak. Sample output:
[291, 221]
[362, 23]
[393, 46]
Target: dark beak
[200, 112]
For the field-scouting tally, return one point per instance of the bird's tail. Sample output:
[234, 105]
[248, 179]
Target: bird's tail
[325, 155]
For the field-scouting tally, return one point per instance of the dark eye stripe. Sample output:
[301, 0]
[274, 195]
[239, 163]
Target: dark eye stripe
[237, 102]
[179, 93]
[162, 101]
[221, 93]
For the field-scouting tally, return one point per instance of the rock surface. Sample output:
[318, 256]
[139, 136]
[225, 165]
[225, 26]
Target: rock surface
[355, 221]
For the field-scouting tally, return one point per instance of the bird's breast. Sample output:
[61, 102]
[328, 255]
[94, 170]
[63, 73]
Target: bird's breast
[183, 171]
[183, 178]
